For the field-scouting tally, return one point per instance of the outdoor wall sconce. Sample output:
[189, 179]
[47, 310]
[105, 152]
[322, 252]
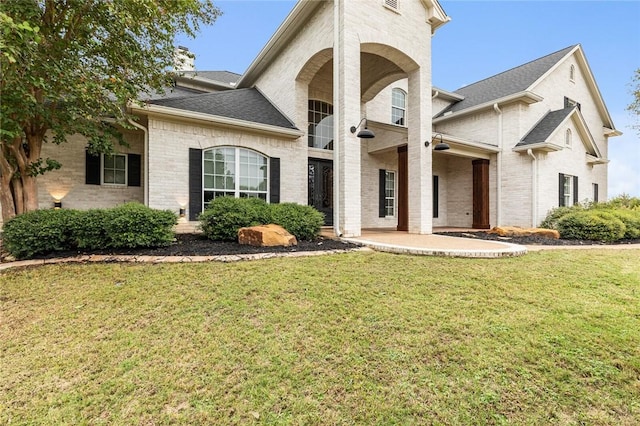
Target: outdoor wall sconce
[364, 133]
[57, 204]
[183, 212]
[440, 146]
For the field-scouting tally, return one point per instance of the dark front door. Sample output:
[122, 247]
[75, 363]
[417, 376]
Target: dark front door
[321, 187]
[403, 189]
[481, 194]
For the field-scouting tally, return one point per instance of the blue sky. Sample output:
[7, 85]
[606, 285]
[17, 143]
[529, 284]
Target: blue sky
[482, 39]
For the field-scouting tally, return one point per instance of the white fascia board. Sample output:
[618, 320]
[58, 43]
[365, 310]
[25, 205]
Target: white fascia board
[595, 160]
[466, 142]
[609, 132]
[542, 146]
[446, 95]
[216, 120]
[526, 97]
[436, 15]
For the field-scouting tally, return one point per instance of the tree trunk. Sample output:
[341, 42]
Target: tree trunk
[6, 200]
[29, 193]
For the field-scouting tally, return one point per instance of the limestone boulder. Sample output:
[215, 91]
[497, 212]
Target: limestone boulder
[514, 231]
[266, 236]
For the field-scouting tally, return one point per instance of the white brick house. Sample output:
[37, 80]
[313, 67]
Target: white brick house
[283, 131]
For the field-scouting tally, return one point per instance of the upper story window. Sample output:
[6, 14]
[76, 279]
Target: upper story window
[398, 106]
[235, 172]
[392, 4]
[567, 138]
[320, 125]
[570, 102]
[572, 73]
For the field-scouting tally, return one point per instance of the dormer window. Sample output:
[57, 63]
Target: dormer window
[398, 106]
[572, 74]
[567, 138]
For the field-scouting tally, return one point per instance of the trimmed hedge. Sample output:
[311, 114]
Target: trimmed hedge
[226, 215]
[596, 220]
[591, 225]
[40, 231]
[129, 225]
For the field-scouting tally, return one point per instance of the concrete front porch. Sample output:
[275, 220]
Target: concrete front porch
[390, 240]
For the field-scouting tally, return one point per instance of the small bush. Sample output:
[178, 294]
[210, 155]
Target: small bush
[134, 225]
[631, 220]
[302, 221]
[551, 221]
[226, 215]
[39, 232]
[127, 226]
[591, 225]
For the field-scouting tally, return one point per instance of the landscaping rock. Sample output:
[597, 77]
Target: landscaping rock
[266, 236]
[514, 231]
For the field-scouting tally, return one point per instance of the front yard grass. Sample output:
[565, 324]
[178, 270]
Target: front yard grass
[359, 338]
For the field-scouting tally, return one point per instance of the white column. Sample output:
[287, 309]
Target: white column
[346, 109]
[420, 157]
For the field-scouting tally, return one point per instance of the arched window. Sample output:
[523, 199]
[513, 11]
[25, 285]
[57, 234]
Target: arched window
[572, 73]
[320, 125]
[567, 138]
[235, 172]
[398, 106]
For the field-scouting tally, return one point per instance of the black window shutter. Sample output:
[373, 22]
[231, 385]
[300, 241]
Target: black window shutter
[133, 170]
[382, 211]
[195, 183]
[561, 190]
[435, 196]
[274, 180]
[575, 190]
[92, 169]
[595, 192]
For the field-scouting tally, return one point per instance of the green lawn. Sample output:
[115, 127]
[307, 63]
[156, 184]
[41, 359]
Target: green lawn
[359, 338]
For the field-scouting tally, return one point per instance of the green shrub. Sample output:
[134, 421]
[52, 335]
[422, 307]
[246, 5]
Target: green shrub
[226, 215]
[134, 225]
[89, 229]
[623, 201]
[551, 221]
[39, 232]
[631, 220]
[302, 221]
[595, 225]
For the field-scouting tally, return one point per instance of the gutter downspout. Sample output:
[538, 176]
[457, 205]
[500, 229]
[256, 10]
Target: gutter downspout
[145, 163]
[435, 95]
[534, 187]
[337, 44]
[499, 168]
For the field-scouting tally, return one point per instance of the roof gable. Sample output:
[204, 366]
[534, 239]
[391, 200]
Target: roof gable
[541, 134]
[510, 82]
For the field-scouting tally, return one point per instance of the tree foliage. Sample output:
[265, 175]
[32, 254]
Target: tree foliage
[634, 106]
[72, 66]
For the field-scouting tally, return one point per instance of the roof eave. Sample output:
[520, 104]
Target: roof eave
[595, 160]
[217, 120]
[538, 146]
[526, 96]
[205, 82]
[609, 132]
[436, 92]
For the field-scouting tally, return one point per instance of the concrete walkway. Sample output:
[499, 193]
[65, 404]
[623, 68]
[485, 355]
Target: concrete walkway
[435, 245]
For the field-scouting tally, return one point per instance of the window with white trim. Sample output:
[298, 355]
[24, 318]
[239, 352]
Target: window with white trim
[235, 172]
[398, 106]
[390, 193]
[567, 193]
[114, 169]
[320, 128]
[572, 73]
[567, 138]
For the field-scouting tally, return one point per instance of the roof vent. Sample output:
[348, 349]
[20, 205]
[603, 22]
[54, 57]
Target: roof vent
[392, 4]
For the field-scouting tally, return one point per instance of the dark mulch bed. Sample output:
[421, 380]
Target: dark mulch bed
[198, 245]
[533, 240]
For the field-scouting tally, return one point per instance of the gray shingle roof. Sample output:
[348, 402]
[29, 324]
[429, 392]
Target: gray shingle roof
[226, 77]
[545, 127]
[240, 104]
[506, 83]
[172, 92]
